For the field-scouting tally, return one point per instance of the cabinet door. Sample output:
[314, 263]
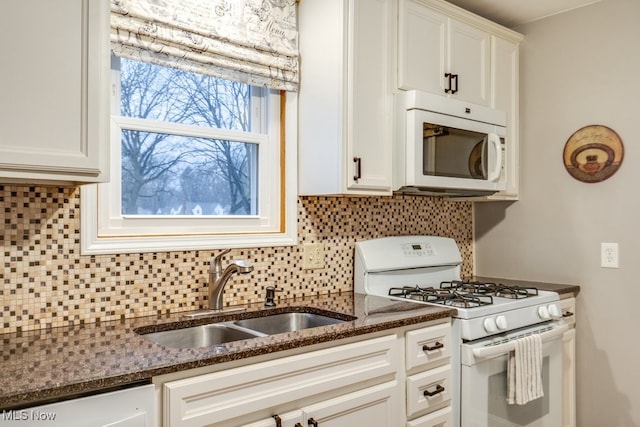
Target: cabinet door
[290, 419]
[569, 378]
[422, 48]
[469, 61]
[345, 99]
[370, 101]
[568, 307]
[219, 398]
[504, 96]
[53, 80]
[374, 406]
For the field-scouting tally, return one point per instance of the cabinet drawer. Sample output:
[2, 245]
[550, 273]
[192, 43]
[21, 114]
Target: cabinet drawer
[439, 418]
[212, 398]
[568, 308]
[428, 345]
[435, 381]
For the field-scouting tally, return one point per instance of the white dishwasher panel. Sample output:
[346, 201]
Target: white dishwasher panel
[133, 407]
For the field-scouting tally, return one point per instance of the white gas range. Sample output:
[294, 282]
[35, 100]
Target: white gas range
[490, 317]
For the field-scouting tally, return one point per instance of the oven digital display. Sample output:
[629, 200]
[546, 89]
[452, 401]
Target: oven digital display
[418, 249]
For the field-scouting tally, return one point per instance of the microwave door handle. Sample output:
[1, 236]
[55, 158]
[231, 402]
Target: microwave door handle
[494, 142]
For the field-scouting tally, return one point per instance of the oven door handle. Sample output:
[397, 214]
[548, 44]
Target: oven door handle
[500, 349]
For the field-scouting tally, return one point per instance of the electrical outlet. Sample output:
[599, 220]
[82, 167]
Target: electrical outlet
[313, 256]
[609, 255]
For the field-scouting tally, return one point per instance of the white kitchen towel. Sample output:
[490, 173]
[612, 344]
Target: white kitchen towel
[524, 371]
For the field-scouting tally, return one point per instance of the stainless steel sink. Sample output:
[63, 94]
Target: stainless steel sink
[235, 330]
[201, 336]
[286, 322]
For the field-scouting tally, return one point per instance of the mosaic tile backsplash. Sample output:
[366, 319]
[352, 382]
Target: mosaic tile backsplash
[47, 283]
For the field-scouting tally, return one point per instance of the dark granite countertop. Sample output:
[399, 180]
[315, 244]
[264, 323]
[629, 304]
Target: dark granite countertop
[555, 287]
[45, 365]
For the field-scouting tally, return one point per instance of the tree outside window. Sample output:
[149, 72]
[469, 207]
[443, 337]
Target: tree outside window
[173, 172]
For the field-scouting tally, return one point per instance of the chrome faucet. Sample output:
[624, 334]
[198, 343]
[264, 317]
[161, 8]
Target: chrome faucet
[218, 277]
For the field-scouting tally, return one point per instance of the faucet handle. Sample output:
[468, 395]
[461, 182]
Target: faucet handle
[216, 261]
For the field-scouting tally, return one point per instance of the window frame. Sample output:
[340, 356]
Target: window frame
[106, 231]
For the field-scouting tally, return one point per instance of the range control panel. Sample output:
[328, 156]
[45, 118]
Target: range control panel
[418, 249]
[406, 252]
[400, 260]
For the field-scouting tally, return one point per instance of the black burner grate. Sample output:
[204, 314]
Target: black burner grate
[450, 297]
[463, 294]
[489, 288]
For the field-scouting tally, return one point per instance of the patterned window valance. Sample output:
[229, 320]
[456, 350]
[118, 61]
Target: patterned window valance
[251, 41]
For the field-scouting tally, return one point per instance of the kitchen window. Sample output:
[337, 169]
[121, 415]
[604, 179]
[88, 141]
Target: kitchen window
[201, 157]
[196, 162]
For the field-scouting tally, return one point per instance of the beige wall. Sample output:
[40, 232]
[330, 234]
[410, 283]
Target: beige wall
[579, 68]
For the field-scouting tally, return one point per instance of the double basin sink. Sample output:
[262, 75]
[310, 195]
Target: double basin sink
[212, 334]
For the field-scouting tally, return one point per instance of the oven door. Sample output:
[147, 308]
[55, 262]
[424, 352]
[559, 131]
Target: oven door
[484, 385]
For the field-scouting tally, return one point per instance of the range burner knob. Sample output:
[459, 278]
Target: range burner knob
[490, 325]
[501, 323]
[554, 311]
[543, 312]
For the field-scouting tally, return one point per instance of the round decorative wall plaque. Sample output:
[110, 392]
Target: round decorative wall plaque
[593, 153]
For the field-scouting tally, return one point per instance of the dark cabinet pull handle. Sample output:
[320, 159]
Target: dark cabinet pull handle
[312, 422]
[454, 77]
[298, 425]
[435, 346]
[278, 420]
[358, 162]
[439, 389]
[567, 314]
[448, 76]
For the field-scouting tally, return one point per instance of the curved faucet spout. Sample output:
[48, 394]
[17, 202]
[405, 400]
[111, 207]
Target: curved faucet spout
[218, 278]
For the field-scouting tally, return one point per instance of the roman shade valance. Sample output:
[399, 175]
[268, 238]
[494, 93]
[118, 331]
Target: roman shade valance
[251, 41]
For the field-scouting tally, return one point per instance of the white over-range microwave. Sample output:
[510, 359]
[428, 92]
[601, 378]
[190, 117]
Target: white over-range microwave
[444, 146]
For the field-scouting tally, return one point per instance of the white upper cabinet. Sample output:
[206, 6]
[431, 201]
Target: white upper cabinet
[422, 48]
[448, 51]
[54, 83]
[468, 64]
[441, 55]
[504, 96]
[346, 96]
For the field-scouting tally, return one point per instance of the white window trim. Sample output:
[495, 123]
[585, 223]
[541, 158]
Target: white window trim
[280, 229]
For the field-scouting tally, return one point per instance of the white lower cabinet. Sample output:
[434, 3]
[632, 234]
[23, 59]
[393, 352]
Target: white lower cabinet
[428, 389]
[440, 418]
[290, 419]
[428, 376]
[568, 307]
[428, 346]
[321, 378]
[363, 382]
[373, 406]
